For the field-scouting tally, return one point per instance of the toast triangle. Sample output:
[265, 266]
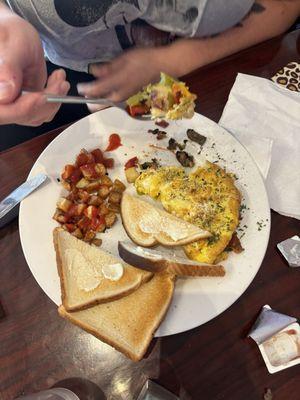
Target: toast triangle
[147, 225]
[80, 270]
[128, 324]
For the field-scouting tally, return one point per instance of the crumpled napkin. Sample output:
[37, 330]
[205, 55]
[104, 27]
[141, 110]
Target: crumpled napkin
[265, 118]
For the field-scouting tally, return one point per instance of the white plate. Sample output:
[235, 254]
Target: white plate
[196, 300]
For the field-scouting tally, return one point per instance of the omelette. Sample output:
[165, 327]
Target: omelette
[206, 197]
[168, 98]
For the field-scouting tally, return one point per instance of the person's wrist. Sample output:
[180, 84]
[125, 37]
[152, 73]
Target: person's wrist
[169, 60]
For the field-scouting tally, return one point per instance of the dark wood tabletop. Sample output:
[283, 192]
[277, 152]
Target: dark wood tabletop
[212, 362]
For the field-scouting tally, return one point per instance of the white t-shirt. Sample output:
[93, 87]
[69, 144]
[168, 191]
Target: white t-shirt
[76, 33]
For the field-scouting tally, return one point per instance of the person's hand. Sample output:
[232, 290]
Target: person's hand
[23, 67]
[123, 76]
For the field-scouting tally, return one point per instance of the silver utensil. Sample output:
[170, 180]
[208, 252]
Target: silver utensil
[86, 100]
[15, 197]
[51, 98]
[83, 100]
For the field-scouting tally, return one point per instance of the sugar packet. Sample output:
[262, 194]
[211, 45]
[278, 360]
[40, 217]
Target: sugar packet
[290, 249]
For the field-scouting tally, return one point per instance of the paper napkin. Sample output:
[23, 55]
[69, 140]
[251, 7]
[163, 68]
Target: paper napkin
[265, 118]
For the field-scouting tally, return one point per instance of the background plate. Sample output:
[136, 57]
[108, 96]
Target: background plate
[196, 300]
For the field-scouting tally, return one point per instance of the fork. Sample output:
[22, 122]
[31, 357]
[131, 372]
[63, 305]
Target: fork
[84, 100]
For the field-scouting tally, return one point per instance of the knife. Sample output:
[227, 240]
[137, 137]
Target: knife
[14, 198]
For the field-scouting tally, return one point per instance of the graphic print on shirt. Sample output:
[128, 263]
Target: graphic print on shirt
[81, 13]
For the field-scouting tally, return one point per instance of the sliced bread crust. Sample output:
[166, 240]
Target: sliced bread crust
[147, 225]
[128, 324]
[155, 261]
[75, 299]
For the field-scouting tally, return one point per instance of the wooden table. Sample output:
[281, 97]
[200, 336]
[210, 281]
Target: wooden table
[212, 362]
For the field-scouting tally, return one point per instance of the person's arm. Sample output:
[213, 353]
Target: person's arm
[129, 72]
[268, 18]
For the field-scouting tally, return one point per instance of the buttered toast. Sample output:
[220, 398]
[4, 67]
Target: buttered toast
[89, 276]
[128, 324]
[147, 225]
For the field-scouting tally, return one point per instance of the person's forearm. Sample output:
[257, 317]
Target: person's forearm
[267, 19]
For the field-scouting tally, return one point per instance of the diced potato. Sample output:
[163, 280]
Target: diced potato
[95, 200]
[118, 186]
[115, 197]
[80, 208]
[103, 210]
[103, 191]
[82, 184]
[97, 242]
[77, 233]
[114, 207]
[89, 236]
[83, 195]
[63, 204]
[57, 215]
[100, 169]
[105, 180]
[91, 212]
[93, 187]
[100, 228]
[61, 218]
[110, 219]
[131, 174]
[84, 223]
[66, 185]
[89, 172]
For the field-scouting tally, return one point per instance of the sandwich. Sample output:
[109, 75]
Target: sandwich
[90, 276]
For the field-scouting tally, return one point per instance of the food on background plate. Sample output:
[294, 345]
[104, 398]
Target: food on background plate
[147, 225]
[93, 199]
[89, 276]
[159, 261]
[169, 98]
[128, 324]
[206, 197]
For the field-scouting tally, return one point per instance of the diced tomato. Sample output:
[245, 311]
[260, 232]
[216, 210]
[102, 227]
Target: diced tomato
[98, 155]
[177, 96]
[76, 176]
[84, 223]
[73, 195]
[139, 109]
[88, 171]
[109, 162]
[91, 212]
[81, 159]
[84, 157]
[68, 171]
[131, 163]
[70, 227]
[97, 224]
[72, 211]
[76, 210]
[114, 142]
